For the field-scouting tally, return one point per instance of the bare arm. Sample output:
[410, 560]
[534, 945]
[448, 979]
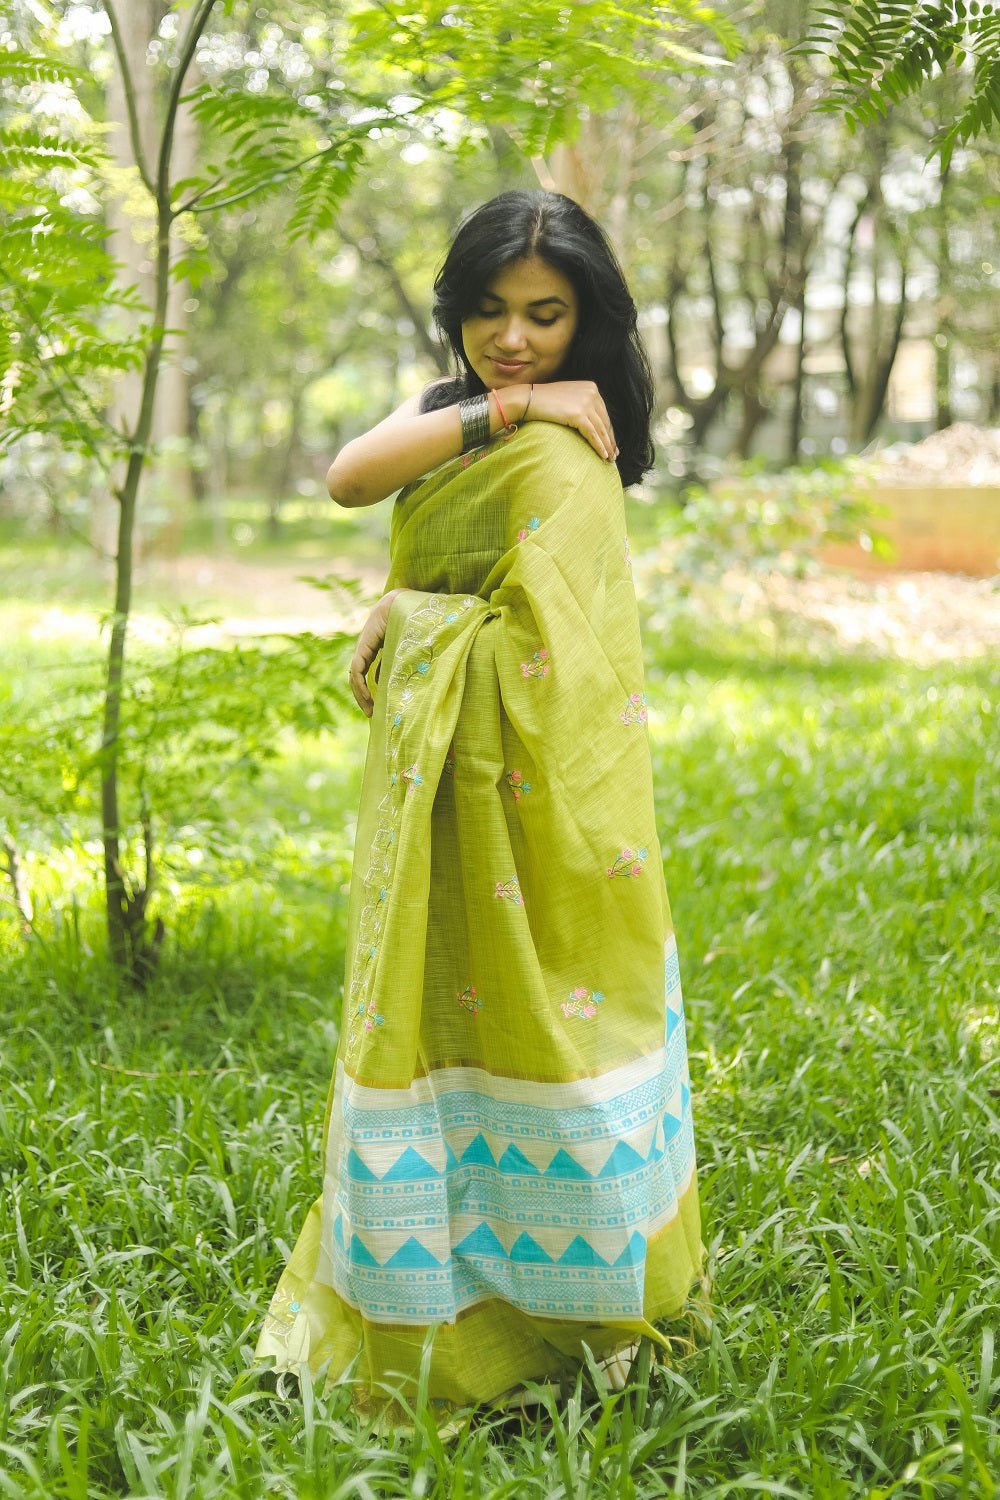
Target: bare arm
[410, 443]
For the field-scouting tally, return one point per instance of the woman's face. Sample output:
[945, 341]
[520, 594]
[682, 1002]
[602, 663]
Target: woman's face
[523, 327]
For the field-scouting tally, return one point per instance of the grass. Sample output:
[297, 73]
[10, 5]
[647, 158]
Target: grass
[829, 831]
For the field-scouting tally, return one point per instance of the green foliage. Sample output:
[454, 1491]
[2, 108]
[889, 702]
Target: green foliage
[767, 523]
[59, 346]
[882, 53]
[198, 724]
[255, 146]
[556, 60]
[829, 835]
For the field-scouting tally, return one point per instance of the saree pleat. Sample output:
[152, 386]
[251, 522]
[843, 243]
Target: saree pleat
[508, 1151]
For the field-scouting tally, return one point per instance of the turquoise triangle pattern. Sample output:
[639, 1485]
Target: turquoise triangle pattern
[515, 1162]
[481, 1241]
[565, 1166]
[410, 1167]
[623, 1159]
[360, 1255]
[579, 1253]
[357, 1170]
[477, 1153]
[413, 1256]
[528, 1251]
[634, 1253]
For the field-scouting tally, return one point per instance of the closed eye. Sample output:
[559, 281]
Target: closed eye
[497, 312]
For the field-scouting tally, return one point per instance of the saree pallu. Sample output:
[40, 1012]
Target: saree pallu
[508, 1151]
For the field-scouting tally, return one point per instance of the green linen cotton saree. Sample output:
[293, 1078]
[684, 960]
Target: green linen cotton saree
[508, 1150]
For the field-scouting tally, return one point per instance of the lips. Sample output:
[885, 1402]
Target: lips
[508, 366]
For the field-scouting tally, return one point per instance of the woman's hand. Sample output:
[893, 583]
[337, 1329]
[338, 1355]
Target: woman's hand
[369, 643]
[577, 404]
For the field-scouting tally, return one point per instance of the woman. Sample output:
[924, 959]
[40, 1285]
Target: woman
[508, 1156]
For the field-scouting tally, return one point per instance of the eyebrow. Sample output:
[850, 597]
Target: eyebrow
[538, 302]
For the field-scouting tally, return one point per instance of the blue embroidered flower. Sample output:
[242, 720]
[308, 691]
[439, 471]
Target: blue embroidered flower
[634, 711]
[628, 863]
[413, 777]
[582, 1003]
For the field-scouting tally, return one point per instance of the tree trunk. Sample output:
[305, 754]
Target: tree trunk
[798, 383]
[133, 944]
[943, 416]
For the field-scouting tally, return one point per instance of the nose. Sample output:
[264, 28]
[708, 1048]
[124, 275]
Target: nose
[511, 337]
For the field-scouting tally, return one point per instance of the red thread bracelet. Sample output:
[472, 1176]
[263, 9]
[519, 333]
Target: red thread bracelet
[507, 426]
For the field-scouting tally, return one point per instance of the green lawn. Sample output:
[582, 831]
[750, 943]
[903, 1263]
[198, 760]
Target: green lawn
[830, 836]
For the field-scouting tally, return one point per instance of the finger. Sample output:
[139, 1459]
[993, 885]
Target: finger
[595, 438]
[359, 685]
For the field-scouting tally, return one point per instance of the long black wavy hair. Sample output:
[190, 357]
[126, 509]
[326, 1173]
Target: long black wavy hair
[606, 347]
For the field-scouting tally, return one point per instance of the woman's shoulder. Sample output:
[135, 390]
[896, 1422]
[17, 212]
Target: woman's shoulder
[553, 441]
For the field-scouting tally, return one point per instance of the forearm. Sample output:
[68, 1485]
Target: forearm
[401, 449]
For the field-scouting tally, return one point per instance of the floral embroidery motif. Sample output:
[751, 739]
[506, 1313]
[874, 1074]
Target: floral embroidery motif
[628, 864]
[628, 555]
[372, 1018]
[526, 531]
[515, 780]
[413, 777]
[510, 890]
[538, 666]
[582, 1003]
[470, 1001]
[634, 711]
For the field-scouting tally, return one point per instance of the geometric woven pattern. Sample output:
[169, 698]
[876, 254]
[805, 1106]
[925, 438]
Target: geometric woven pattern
[464, 1187]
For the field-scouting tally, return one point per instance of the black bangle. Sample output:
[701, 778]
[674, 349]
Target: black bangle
[475, 414]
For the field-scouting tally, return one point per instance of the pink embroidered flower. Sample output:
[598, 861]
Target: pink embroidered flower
[538, 666]
[629, 863]
[582, 1004]
[470, 1001]
[509, 890]
[372, 1018]
[518, 785]
[634, 711]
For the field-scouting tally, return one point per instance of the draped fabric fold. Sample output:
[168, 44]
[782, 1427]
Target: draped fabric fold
[508, 1150]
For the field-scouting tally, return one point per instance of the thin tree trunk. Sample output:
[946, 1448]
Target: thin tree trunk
[798, 383]
[131, 944]
[943, 416]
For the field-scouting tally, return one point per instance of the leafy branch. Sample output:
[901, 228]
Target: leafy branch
[883, 53]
